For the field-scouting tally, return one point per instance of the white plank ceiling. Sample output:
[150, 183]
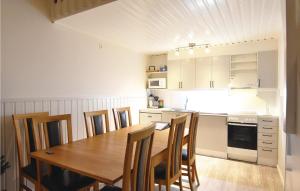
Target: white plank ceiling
[153, 26]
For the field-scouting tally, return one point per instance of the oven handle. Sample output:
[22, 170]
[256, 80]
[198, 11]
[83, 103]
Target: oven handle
[243, 125]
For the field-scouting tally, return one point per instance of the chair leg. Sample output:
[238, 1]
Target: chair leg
[190, 177]
[168, 188]
[196, 173]
[96, 186]
[180, 183]
[159, 187]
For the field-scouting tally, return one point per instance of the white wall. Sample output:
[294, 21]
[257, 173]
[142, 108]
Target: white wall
[48, 67]
[42, 59]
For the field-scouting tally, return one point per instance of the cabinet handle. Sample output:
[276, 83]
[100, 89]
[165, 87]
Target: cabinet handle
[264, 120]
[267, 135]
[213, 84]
[267, 127]
[259, 83]
[179, 85]
[210, 84]
[268, 150]
[149, 116]
[267, 143]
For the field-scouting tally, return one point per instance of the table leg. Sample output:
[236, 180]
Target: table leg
[38, 167]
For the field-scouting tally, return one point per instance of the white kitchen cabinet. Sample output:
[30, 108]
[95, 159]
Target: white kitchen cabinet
[168, 115]
[267, 140]
[267, 69]
[212, 72]
[149, 117]
[188, 74]
[203, 72]
[220, 71]
[211, 138]
[174, 74]
[181, 74]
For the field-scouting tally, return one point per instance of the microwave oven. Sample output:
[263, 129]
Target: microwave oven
[157, 83]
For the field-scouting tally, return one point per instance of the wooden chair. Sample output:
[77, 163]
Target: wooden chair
[169, 171]
[122, 117]
[138, 150]
[58, 178]
[26, 144]
[189, 154]
[95, 122]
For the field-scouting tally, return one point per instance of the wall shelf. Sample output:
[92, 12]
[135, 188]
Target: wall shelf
[156, 72]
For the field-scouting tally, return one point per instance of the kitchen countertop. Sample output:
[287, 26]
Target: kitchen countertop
[161, 110]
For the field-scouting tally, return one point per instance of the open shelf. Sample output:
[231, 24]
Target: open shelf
[156, 72]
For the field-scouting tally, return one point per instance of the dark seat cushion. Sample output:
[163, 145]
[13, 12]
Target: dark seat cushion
[111, 188]
[184, 154]
[160, 171]
[66, 180]
[30, 170]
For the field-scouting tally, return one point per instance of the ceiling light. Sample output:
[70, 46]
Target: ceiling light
[206, 50]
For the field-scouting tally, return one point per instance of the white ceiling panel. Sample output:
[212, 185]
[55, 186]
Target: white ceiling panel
[153, 26]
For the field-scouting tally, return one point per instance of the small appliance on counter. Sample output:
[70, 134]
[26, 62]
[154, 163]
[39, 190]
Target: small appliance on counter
[153, 102]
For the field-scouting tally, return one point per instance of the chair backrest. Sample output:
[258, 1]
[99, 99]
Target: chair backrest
[175, 141]
[54, 131]
[138, 150]
[192, 135]
[96, 122]
[122, 117]
[25, 136]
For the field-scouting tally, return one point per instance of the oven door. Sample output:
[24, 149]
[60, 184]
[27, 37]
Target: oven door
[242, 135]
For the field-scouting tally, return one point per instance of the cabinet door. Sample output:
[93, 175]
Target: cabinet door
[146, 118]
[220, 71]
[167, 116]
[203, 72]
[188, 74]
[267, 69]
[173, 74]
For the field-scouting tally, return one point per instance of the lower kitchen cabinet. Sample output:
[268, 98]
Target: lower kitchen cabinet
[168, 115]
[149, 117]
[267, 141]
[211, 139]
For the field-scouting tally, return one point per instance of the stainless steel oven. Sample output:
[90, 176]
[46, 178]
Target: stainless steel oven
[242, 138]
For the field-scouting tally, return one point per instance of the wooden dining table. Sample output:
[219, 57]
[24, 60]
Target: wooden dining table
[102, 157]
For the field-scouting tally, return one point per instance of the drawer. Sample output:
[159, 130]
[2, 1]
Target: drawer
[268, 121]
[267, 143]
[267, 136]
[267, 156]
[149, 117]
[267, 129]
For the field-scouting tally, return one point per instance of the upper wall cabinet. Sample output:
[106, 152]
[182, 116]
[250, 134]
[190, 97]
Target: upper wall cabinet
[203, 72]
[212, 72]
[220, 71]
[181, 74]
[267, 69]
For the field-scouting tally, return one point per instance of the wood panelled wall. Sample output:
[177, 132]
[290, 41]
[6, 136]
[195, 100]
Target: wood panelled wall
[74, 106]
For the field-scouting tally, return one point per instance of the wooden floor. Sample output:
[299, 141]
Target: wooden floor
[227, 175]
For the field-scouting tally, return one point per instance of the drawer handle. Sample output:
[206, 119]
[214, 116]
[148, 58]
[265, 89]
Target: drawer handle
[270, 121]
[267, 150]
[149, 116]
[267, 143]
[267, 135]
[267, 127]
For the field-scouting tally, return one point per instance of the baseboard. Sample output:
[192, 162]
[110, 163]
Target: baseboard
[280, 174]
[211, 153]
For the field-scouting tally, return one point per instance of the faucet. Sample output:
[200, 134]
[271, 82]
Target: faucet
[186, 102]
